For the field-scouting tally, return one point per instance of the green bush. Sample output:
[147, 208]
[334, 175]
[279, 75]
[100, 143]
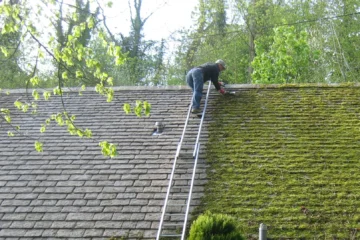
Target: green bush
[211, 226]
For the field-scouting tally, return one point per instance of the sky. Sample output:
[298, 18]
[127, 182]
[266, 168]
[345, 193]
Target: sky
[168, 16]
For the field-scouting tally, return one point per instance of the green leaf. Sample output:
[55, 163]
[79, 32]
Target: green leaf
[46, 95]
[110, 81]
[110, 95]
[108, 149]
[79, 74]
[10, 134]
[64, 75]
[75, 17]
[34, 81]
[38, 146]
[127, 108]
[147, 108]
[59, 119]
[25, 107]
[57, 91]
[90, 22]
[18, 104]
[88, 133]
[41, 54]
[35, 94]
[4, 51]
[7, 119]
[80, 133]
[43, 128]
[5, 110]
[138, 108]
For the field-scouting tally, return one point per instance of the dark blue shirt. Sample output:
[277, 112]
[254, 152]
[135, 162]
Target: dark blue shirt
[211, 72]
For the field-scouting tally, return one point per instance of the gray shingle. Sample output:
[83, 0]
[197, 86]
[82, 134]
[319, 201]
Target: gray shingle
[70, 190]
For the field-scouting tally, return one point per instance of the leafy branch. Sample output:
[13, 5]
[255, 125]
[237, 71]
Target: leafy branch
[66, 56]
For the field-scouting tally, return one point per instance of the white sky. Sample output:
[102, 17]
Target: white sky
[168, 16]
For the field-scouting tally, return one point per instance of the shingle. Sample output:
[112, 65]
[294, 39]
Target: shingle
[70, 233]
[54, 216]
[93, 233]
[22, 224]
[71, 178]
[80, 216]
[12, 232]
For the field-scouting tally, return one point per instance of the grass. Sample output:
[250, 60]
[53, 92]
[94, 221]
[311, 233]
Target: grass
[289, 158]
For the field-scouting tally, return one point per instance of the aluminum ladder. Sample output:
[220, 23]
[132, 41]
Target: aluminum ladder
[175, 212]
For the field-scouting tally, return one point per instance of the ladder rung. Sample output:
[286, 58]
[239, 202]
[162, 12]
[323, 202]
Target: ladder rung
[187, 146]
[180, 196]
[179, 187]
[174, 214]
[171, 235]
[186, 155]
[182, 162]
[172, 225]
[174, 205]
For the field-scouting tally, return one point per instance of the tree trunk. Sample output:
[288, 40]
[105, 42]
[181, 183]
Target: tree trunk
[252, 29]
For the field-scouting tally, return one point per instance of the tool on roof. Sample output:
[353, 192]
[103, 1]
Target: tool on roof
[223, 84]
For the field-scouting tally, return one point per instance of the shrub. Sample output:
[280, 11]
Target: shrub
[211, 226]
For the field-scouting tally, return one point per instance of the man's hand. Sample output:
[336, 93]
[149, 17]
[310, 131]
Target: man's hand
[222, 84]
[222, 91]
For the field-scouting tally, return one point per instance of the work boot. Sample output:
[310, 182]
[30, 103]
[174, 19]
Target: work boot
[195, 110]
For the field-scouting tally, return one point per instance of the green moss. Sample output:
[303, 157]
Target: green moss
[287, 157]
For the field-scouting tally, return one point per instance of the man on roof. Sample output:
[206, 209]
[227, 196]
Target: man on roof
[196, 77]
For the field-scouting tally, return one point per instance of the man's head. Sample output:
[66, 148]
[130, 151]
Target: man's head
[221, 64]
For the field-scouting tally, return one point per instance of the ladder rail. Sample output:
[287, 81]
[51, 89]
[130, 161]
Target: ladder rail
[202, 119]
[190, 193]
[184, 130]
[172, 174]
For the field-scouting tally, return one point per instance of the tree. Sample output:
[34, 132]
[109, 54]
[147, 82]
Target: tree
[11, 74]
[18, 18]
[287, 61]
[64, 26]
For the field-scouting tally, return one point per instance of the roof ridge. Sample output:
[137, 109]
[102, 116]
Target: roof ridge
[182, 87]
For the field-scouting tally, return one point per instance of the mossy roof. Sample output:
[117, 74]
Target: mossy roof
[286, 156]
[289, 157]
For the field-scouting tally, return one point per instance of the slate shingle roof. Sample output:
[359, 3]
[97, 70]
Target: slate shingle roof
[70, 190]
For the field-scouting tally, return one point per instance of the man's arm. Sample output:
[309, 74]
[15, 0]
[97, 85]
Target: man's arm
[215, 81]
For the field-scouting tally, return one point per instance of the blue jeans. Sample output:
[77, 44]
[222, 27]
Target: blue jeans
[194, 79]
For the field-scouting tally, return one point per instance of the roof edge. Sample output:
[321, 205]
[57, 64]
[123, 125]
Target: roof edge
[185, 87]
[92, 89]
[302, 85]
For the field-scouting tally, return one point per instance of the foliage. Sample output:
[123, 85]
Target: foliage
[141, 107]
[288, 59]
[319, 43]
[211, 226]
[74, 58]
[287, 158]
[11, 75]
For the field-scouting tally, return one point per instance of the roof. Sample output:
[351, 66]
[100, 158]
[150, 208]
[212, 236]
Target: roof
[71, 190]
[288, 157]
